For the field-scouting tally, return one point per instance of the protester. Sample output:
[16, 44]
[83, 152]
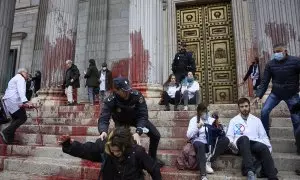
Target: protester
[198, 134]
[37, 81]
[190, 91]
[121, 158]
[29, 87]
[171, 93]
[14, 98]
[254, 73]
[247, 134]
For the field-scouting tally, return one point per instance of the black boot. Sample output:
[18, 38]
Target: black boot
[175, 107]
[167, 108]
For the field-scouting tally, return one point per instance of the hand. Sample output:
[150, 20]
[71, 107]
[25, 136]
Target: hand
[200, 124]
[63, 139]
[256, 100]
[242, 83]
[72, 80]
[103, 136]
[137, 138]
[84, 72]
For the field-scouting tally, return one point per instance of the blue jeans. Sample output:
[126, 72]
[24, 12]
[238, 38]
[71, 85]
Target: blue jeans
[273, 101]
[91, 94]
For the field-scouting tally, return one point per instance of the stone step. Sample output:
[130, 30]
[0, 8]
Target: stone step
[14, 175]
[168, 132]
[81, 169]
[275, 122]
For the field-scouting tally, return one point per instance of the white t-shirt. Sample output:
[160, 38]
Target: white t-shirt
[102, 80]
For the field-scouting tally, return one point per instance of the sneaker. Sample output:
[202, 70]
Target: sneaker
[209, 170]
[167, 108]
[251, 175]
[185, 108]
[203, 178]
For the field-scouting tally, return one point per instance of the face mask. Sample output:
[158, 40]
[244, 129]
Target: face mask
[104, 68]
[278, 56]
[190, 80]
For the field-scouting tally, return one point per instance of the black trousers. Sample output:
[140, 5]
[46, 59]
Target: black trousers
[153, 134]
[180, 76]
[260, 151]
[168, 99]
[202, 148]
[19, 117]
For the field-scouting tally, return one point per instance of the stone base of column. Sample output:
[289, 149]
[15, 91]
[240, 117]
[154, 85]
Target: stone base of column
[50, 97]
[151, 92]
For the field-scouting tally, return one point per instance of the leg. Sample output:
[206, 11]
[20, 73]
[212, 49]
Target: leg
[295, 116]
[185, 97]
[221, 147]
[69, 94]
[91, 94]
[74, 95]
[261, 151]
[177, 100]
[19, 117]
[166, 99]
[200, 154]
[154, 136]
[197, 96]
[270, 103]
[243, 144]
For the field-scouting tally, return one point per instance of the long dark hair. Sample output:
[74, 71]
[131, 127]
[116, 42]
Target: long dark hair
[169, 80]
[120, 137]
[200, 109]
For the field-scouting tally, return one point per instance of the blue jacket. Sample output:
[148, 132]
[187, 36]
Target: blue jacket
[285, 78]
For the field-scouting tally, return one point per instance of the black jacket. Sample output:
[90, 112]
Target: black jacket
[183, 63]
[92, 75]
[72, 73]
[249, 72]
[108, 79]
[285, 77]
[129, 169]
[132, 112]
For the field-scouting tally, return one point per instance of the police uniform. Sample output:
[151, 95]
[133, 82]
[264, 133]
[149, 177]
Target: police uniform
[182, 64]
[131, 112]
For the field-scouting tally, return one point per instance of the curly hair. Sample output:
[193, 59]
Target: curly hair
[120, 137]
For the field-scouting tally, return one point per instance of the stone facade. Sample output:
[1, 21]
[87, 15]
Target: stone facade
[104, 31]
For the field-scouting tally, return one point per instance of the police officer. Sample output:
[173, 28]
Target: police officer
[127, 107]
[183, 63]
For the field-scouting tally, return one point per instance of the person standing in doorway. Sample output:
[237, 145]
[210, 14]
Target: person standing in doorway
[254, 73]
[105, 81]
[92, 80]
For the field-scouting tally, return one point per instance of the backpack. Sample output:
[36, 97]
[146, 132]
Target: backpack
[187, 158]
[4, 114]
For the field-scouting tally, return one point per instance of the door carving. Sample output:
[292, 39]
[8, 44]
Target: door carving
[207, 31]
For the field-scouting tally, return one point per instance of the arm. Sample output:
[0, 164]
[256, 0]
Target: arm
[149, 164]
[195, 87]
[265, 82]
[88, 73]
[21, 88]
[174, 64]
[142, 112]
[262, 135]
[90, 151]
[230, 131]
[103, 121]
[192, 128]
[248, 73]
[76, 74]
[192, 63]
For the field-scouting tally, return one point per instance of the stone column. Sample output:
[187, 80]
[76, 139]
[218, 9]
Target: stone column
[7, 11]
[146, 46]
[59, 46]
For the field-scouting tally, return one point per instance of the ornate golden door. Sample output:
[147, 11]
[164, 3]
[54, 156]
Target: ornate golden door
[207, 31]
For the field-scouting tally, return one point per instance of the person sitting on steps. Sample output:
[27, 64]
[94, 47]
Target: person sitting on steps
[190, 91]
[171, 93]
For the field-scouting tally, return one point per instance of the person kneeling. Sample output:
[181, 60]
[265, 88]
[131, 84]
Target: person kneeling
[121, 157]
[247, 134]
[197, 132]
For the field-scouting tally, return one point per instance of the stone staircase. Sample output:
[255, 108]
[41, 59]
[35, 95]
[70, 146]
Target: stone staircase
[38, 157]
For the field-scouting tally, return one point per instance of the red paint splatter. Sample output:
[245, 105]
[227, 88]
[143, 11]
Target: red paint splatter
[79, 131]
[55, 56]
[138, 64]
[280, 33]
